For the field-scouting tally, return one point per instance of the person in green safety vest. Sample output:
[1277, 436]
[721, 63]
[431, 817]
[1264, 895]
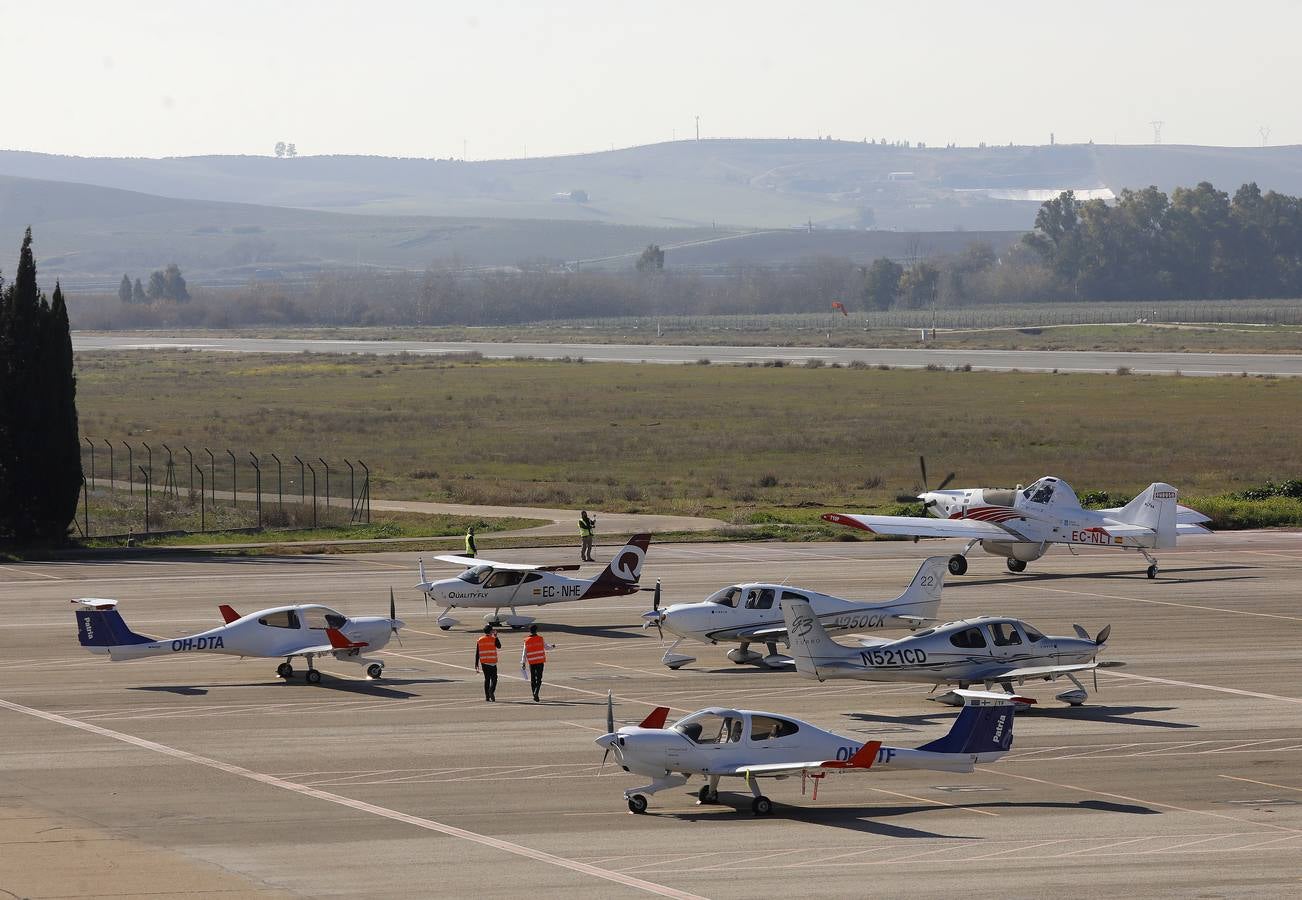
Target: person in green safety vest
[470, 541]
[587, 526]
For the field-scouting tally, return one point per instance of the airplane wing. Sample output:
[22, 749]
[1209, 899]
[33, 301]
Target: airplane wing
[779, 632]
[862, 760]
[921, 526]
[995, 674]
[471, 561]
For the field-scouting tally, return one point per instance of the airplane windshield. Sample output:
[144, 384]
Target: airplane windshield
[710, 728]
[726, 597]
[475, 574]
[1040, 492]
[323, 617]
[1031, 634]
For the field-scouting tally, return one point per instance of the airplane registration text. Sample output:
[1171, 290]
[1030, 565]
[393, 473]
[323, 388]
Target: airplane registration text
[906, 657]
[201, 643]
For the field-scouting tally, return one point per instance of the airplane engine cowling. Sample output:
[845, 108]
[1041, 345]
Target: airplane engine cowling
[1014, 550]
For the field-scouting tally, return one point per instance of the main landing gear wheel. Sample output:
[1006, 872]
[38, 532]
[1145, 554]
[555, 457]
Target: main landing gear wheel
[957, 564]
[705, 795]
[284, 670]
[1016, 565]
[375, 670]
[313, 676]
[637, 804]
[445, 627]
[1152, 571]
[761, 806]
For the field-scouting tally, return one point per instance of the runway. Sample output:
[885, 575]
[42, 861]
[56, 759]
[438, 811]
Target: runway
[987, 360]
[1182, 776]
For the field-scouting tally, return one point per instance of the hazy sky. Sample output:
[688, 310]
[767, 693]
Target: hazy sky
[144, 78]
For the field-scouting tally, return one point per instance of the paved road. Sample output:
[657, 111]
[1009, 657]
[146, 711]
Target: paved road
[1182, 776]
[991, 360]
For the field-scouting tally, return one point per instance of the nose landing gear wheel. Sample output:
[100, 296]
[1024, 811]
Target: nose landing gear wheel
[375, 670]
[637, 804]
[1016, 565]
[1152, 571]
[313, 676]
[957, 564]
[285, 670]
[761, 806]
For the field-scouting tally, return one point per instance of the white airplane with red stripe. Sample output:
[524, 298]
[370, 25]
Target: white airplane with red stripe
[719, 743]
[308, 631]
[1020, 525]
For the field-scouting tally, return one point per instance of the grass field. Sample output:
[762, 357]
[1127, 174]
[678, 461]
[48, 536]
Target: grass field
[738, 443]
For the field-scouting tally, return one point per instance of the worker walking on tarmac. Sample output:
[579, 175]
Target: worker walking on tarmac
[534, 655]
[587, 526]
[470, 542]
[486, 658]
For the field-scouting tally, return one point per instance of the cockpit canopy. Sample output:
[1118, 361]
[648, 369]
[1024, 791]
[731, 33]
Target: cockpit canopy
[475, 574]
[725, 726]
[985, 633]
[1051, 490]
[315, 617]
[725, 596]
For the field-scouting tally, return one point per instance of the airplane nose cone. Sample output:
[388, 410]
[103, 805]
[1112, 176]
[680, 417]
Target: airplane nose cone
[608, 741]
[398, 623]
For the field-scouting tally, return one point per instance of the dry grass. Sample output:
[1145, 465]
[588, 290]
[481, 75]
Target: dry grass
[715, 440]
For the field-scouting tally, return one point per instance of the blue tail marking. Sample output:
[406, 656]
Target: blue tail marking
[978, 729]
[105, 628]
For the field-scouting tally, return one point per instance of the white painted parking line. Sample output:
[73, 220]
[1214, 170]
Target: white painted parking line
[1205, 687]
[359, 805]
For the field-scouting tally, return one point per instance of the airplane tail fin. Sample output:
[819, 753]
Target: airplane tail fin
[807, 638]
[923, 594]
[624, 570]
[983, 728]
[101, 627]
[1155, 508]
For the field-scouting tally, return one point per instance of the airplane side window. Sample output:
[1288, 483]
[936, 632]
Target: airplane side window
[532, 576]
[792, 595]
[968, 639]
[765, 728]
[1005, 634]
[760, 599]
[284, 619]
[734, 732]
[504, 578]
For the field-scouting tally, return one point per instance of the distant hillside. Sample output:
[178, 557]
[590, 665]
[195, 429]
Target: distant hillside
[88, 236]
[735, 184]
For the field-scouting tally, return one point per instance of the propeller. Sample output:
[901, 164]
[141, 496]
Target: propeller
[610, 727]
[393, 618]
[654, 616]
[1099, 641]
[907, 498]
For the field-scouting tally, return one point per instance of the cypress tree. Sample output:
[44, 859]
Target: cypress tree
[40, 457]
[124, 290]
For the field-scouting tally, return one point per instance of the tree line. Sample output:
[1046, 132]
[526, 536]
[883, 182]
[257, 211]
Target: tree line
[40, 450]
[164, 284]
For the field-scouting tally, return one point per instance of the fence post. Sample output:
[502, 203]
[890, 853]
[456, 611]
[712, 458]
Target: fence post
[212, 475]
[146, 474]
[302, 482]
[150, 450]
[85, 506]
[202, 523]
[352, 503]
[234, 500]
[280, 493]
[192, 468]
[366, 490]
[327, 484]
[131, 468]
[313, 471]
[257, 481]
[91, 445]
[110, 446]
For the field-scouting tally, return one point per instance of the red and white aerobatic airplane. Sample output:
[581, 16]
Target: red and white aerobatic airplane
[1021, 524]
[309, 631]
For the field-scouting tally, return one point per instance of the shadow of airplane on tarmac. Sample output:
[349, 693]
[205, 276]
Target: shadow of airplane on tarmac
[388, 689]
[856, 818]
[1164, 576]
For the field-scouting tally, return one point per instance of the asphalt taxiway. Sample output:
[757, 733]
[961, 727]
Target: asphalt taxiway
[1097, 361]
[1181, 777]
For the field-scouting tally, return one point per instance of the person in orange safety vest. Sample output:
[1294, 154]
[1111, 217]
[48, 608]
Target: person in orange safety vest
[534, 655]
[486, 659]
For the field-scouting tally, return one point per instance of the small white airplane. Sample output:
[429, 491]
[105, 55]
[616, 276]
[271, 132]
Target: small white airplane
[1021, 524]
[743, 743]
[752, 613]
[486, 584]
[308, 631]
[985, 650]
